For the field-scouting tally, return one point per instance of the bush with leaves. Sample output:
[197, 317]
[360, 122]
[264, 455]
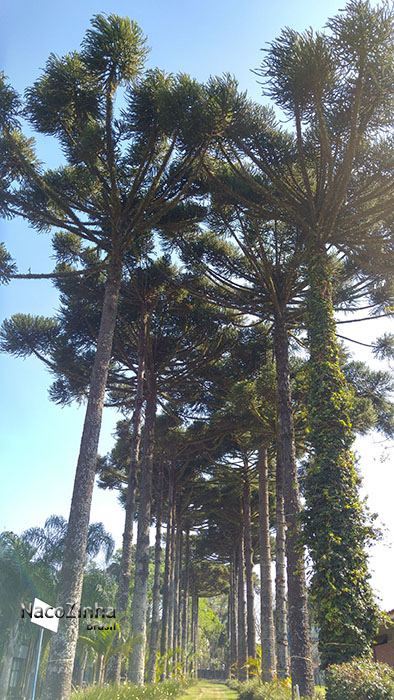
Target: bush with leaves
[255, 690]
[275, 690]
[360, 679]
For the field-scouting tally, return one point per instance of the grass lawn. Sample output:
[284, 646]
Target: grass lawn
[209, 690]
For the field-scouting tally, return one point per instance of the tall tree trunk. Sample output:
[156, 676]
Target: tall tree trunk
[300, 647]
[97, 670]
[242, 636]
[194, 631]
[122, 596]
[335, 520]
[282, 645]
[167, 566]
[185, 605]
[268, 661]
[155, 625]
[82, 667]
[177, 583]
[140, 600]
[57, 685]
[250, 613]
[172, 580]
[233, 608]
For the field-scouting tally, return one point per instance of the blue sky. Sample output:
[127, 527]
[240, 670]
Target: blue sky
[40, 441]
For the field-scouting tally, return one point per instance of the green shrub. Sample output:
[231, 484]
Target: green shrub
[320, 693]
[255, 690]
[360, 680]
[158, 691]
[277, 690]
[233, 684]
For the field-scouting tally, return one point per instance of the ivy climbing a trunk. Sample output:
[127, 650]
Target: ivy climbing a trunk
[336, 526]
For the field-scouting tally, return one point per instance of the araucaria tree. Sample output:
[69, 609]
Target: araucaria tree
[124, 174]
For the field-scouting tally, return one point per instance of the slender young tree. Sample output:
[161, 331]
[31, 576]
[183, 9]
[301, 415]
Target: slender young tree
[282, 645]
[268, 659]
[242, 629]
[155, 619]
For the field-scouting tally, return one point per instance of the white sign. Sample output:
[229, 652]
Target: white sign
[45, 615]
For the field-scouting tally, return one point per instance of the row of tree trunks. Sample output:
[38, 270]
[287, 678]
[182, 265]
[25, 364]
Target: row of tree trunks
[176, 585]
[175, 617]
[240, 628]
[174, 622]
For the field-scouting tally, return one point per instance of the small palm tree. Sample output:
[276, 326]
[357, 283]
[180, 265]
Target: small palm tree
[107, 643]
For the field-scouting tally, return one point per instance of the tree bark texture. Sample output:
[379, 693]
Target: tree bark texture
[194, 630]
[268, 660]
[242, 634]
[300, 647]
[233, 609]
[177, 598]
[140, 600]
[57, 684]
[167, 566]
[171, 593]
[185, 602]
[155, 625]
[282, 645]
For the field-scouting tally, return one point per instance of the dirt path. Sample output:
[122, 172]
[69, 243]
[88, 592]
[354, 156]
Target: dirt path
[209, 690]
